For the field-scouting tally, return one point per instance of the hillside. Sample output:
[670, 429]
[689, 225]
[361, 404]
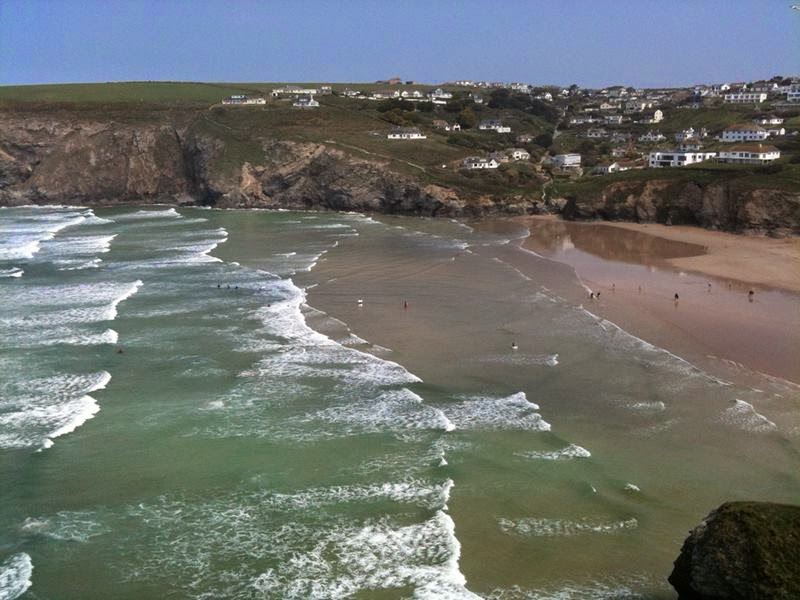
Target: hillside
[164, 141]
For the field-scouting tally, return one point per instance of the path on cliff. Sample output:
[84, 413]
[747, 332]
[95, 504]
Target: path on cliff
[365, 151]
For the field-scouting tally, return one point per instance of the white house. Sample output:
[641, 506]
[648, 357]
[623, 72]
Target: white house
[525, 138]
[385, 94]
[306, 102]
[657, 117]
[793, 95]
[688, 134]
[614, 119]
[440, 94]
[583, 120]
[776, 132]
[348, 93]
[406, 133]
[293, 90]
[771, 120]
[652, 136]
[243, 100]
[494, 125]
[743, 132]
[691, 145]
[614, 167]
[676, 158]
[519, 154]
[567, 161]
[751, 154]
[476, 162]
[745, 98]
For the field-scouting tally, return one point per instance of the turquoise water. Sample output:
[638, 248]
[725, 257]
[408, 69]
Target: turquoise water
[176, 421]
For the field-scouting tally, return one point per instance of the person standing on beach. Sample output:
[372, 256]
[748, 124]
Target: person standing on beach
[676, 298]
[750, 295]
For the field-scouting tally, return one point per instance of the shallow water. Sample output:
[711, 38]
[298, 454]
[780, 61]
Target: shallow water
[247, 445]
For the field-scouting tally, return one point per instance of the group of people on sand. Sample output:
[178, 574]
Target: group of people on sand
[596, 295]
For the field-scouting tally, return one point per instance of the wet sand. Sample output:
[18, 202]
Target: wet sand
[638, 269]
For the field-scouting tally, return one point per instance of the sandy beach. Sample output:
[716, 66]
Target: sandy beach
[638, 269]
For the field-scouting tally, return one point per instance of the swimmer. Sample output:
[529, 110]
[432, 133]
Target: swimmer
[514, 346]
[360, 302]
[119, 350]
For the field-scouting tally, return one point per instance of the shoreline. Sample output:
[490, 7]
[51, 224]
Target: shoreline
[714, 319]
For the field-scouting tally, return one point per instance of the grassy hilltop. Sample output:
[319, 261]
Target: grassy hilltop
[358, 127]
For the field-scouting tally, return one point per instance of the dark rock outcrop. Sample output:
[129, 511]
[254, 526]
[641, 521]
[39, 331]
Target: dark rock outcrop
[742, 551]
[722, 205]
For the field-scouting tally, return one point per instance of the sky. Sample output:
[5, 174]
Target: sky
[591, 43]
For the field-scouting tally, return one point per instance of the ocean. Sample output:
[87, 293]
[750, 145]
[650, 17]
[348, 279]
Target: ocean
[259, 404]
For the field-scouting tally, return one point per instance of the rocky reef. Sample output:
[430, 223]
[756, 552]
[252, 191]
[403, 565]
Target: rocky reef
[741, 551]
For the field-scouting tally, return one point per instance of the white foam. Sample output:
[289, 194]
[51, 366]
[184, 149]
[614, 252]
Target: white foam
[490, 412]
[15, 576]
[12, 272]
[533, 527]
[169, 213]
[567, 453]
[65, 526]
[744, 416]
[656, 406]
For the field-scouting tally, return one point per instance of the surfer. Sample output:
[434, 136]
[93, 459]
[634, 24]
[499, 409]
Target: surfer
[514, 346]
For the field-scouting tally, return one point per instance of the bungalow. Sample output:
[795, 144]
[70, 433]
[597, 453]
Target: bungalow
[614, 167]
[691, 145]
[596, 133]
[676, 158]
[770, 120]
[743, 132]
[243, 100]
[306, 102]
[476, 162]
[406, 133]
[751, 154]
[439, 94]
[745, 98]
[519, 154]
[293, 90]
[567, 161]
[442, 124]
[494, 125]
[652, 136]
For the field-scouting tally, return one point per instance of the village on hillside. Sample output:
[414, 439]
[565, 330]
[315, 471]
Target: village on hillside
[573, 132]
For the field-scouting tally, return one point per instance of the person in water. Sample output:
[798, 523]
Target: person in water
[514, 346]
[591, 296]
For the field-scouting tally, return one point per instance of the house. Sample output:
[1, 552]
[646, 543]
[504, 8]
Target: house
[691, 145]
[476, 162]
[614, 167]
[635, 106]
[566, 161]
[686, 134]
[293, 90]
[652, 136]
[676, 158]
[596, 133]
[442, 124]
[243, 100]
[771, 120]
[657, 117]
[385, 94]
[439, 94]
[750, 154]
[745, 98]
[776, 132]
[547, 97]
[519, 154]
[744, 132]
[406, 133]
[583, 120]
[525, 138]
[477, 98]
[793, 95]
[348, 93]
[614, 119]
[494, 125]
[325, 90]
[619, 152]
[607, 106]
[306, 102]
[500, 156]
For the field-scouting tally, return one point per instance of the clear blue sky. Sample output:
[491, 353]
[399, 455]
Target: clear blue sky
[592, 43]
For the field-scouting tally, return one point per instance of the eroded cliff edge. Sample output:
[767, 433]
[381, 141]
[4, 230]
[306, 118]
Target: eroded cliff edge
[76, 157]
[47, 159]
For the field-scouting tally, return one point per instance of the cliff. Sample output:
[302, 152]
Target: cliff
[68, 158]
[724, 203]
[741, 551]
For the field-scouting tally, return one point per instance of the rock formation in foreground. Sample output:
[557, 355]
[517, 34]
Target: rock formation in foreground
[742, 551]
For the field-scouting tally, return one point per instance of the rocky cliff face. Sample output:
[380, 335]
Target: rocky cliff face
[720, 205]
[69, 159]
[741, 551]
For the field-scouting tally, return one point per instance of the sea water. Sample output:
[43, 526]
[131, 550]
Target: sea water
[178, 419]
